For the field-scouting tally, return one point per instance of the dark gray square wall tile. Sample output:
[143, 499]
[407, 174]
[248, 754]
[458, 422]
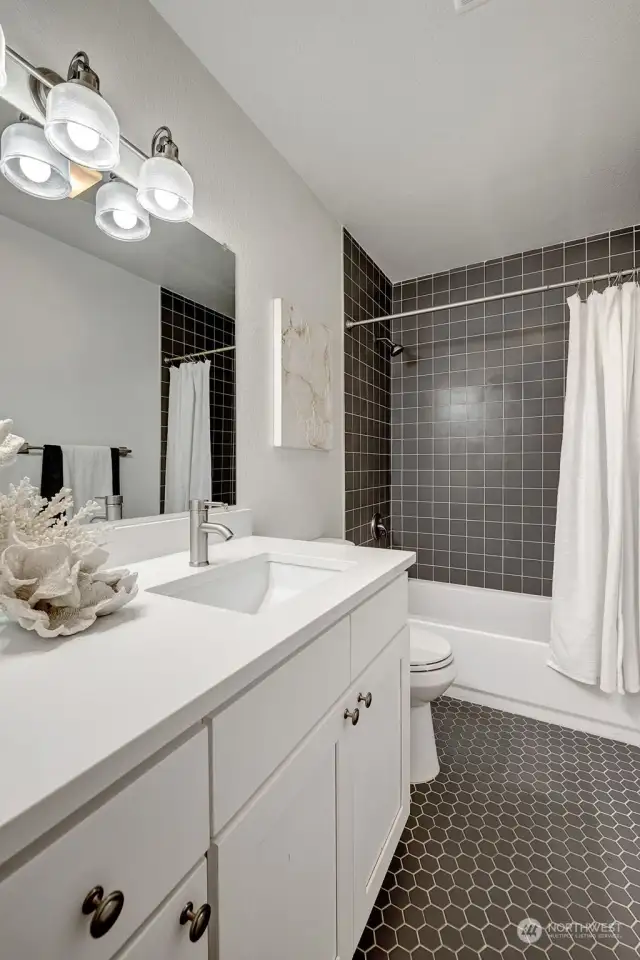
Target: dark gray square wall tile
[525, 820]
[368, 293]
[485, 386]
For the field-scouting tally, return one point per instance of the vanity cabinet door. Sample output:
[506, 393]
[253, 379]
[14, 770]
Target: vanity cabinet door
[379, 762]
[282, 869]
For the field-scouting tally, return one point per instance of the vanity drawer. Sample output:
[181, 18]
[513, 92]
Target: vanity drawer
[141, 842]
[254, 735]
[164, 937]
[376, 622]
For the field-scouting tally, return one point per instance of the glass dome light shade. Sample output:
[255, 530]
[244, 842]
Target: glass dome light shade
[165, 189]
[81, 125]
[25, 156]
[116, 208]
[3, 60]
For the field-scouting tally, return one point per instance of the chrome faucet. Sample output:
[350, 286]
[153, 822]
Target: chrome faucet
[199, 530]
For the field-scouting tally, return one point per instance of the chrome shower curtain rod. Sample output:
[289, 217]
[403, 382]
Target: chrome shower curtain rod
[203, 353]
[350, 324]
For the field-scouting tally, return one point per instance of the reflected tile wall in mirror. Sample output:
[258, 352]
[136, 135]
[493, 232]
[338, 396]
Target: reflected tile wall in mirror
[188, 327]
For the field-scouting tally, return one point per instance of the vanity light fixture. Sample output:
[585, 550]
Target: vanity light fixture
[79, 122]
[118, 213]
[3, 60]
[30, 163]
[165, 188]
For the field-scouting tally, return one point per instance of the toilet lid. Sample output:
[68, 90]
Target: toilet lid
[429, 649]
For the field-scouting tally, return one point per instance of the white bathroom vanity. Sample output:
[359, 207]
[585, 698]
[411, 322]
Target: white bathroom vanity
[237, 737]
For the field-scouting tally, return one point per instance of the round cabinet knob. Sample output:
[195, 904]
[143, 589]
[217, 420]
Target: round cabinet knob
[105, 910]
[199, 920]
[368, 700]
[354, 714]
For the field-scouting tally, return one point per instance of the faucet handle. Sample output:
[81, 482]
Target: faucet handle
[201, 506]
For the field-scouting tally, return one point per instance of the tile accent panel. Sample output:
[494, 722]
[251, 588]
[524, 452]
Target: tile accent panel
[188, 327]
[525, 820]
[477, 414]
[367, 375]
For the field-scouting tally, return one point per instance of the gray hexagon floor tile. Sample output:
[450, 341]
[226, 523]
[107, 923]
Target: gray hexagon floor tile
[526, 844]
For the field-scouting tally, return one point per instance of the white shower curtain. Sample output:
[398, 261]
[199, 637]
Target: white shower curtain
[595, 606]
[188, 472]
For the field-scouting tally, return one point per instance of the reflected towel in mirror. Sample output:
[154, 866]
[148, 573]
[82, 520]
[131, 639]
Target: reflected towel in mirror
[88, 471]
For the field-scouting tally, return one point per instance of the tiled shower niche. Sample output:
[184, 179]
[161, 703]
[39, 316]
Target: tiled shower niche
[477, 413]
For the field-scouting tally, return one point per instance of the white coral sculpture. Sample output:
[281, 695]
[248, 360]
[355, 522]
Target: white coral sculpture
[50, 579]
[9, 443]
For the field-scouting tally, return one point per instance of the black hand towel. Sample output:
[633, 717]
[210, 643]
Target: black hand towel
[52, 480]
[115, 468]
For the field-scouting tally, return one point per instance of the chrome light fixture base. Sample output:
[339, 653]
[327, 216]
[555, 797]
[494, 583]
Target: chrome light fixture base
[163, 145]
[80, 71]
[39, 92]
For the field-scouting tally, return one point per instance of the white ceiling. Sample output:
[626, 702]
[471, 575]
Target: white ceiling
[440, 139]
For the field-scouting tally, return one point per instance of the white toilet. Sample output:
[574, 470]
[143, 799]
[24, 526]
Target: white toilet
[432, 672]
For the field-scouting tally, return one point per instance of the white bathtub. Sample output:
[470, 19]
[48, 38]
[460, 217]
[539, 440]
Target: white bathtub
[500, 643]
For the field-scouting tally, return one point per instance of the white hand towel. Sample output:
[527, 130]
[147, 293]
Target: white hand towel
[88, 471]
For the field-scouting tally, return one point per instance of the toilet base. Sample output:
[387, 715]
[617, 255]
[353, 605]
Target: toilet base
[424, 765]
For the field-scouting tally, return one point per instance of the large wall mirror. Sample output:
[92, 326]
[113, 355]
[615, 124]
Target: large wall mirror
[96, 334]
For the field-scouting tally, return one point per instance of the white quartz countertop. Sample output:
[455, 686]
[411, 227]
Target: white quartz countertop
[78, 713]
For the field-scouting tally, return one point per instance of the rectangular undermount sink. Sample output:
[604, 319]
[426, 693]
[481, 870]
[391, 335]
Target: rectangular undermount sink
[255, 585]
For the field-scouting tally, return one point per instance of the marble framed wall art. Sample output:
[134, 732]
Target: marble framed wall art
[303, 418]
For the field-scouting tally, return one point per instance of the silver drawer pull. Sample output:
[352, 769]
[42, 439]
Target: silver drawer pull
[368, 700]
[199, 920]
[105, 910]
[354, 714]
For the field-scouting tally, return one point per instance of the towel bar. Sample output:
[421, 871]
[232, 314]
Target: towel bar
[29, 448]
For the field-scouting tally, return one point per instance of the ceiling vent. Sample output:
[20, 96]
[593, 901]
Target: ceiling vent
[462, 6]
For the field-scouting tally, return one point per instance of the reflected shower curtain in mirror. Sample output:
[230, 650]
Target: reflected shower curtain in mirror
[594, 614]
[188, 471]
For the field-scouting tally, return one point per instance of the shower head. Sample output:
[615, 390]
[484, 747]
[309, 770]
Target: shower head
[395, 349]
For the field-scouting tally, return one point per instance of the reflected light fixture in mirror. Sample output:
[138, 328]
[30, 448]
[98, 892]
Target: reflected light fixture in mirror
[119, 214]
[165, 188]
[3, 60]
[79, 122]
[30, 163]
